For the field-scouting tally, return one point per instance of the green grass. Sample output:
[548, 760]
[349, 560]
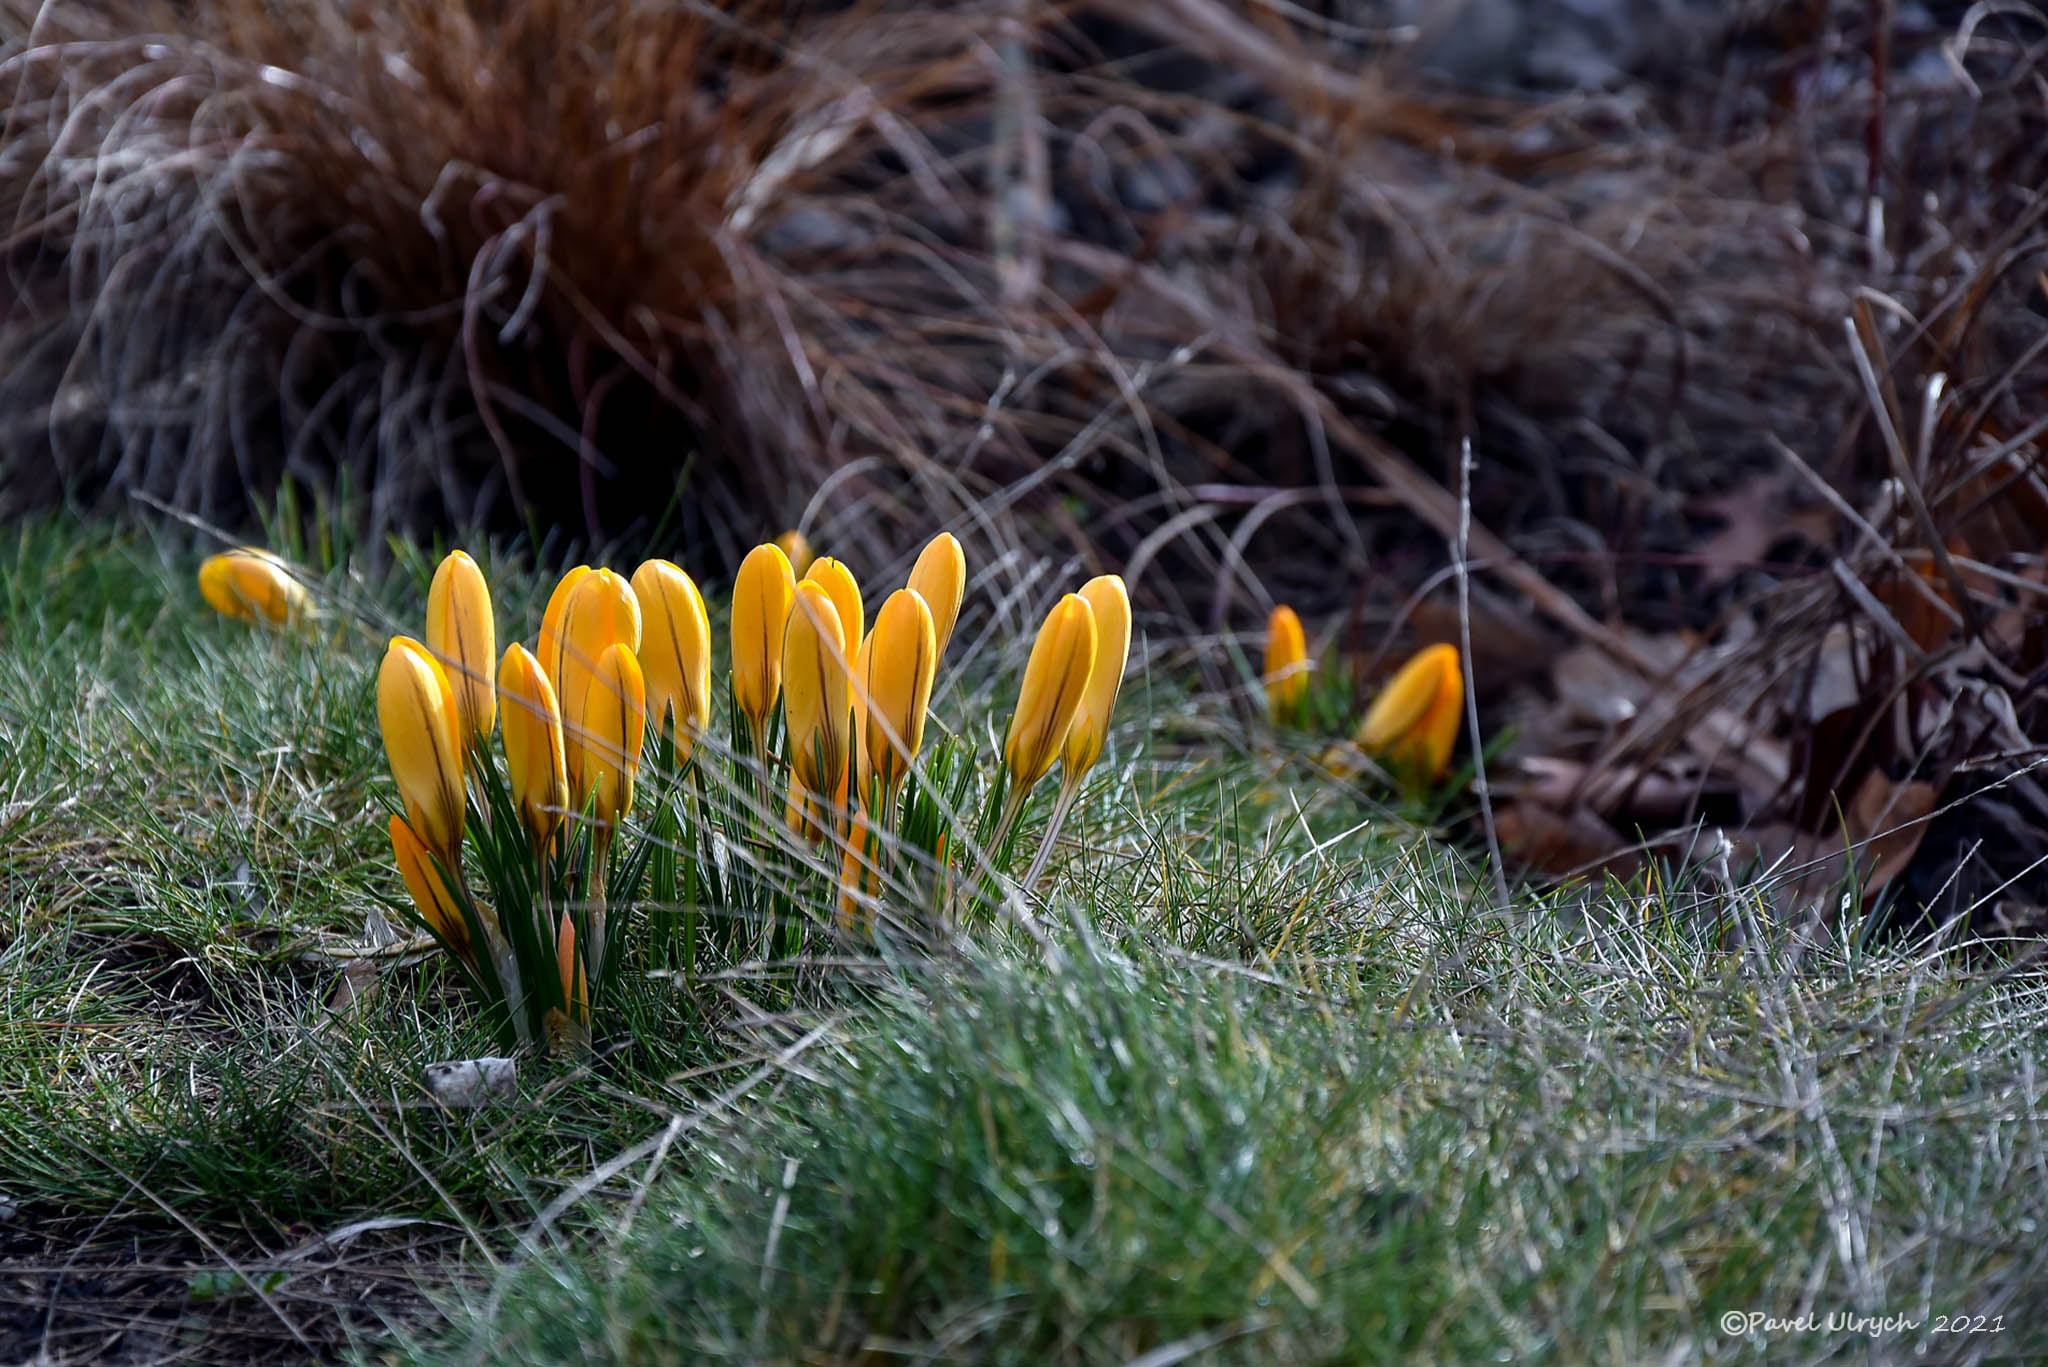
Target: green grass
[1291, 1090]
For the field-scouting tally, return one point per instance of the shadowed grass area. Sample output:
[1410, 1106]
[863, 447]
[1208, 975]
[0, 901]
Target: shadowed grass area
[1292, 1089]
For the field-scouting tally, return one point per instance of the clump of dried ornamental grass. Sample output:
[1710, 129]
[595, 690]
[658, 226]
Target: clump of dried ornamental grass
[489, 261]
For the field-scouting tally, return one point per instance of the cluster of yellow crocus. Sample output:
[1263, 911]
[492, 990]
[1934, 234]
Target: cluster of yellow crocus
[1413, 722]
[250, 584]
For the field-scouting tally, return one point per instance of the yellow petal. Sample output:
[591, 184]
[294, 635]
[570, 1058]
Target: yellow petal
[602, 612]
[1055, 677]
[815, 689]
[940, 578]
[675, 653]
[838, 582]
[1111, 602]
[1286, 666]
[860, 873]
[761, 597]
[796, 548]
[430, 896]
[900, 660]
[416, 712]
[463, 635]
[535, 760]
[609, 722]
[250, 584]
[1414, 720]
[549, 647]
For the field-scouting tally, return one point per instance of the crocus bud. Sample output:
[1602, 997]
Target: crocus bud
[675, 652]
[940, 578]
[253, 585]
[839, 584]
[549, 647]
[796, 548]
[535, 759]
[463, 635]
[430, 896]
[602, 612]
[1413, 723]
[416, 712]
[569, 967]
[608, 723]
[901, 658]
[761, 597]
[1287, 666]
[1055, 677]
[1089, 732]
[814, 682]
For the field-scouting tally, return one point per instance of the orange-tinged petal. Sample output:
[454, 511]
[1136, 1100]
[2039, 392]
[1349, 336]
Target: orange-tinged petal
[940, 578]
[609, 722]
[860, 873]
[899, 661]
[463, 634]
[1089, 732]
[761, 596]
[535, 757]
[1286, 665]
[815, 690]
[569, 968]
[1415, 719]
[430, 896]
[838, 582]
[796, 548]
[416, 712]
[250, 584]
[1055, 677]
[675, 652]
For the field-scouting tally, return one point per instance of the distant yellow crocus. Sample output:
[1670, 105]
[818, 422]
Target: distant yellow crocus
[761, 597]
[940, 578]
[535, 757]
[250, 584]
[815, 694]
[1286, 667]
[463, 634]
[429, 891]
[416, 712]
[1055, 677]
[675, 653]
[796, 548]
[608, 723]
[838, 582]
[1413, 724]
[899, 661]
[1089, 731]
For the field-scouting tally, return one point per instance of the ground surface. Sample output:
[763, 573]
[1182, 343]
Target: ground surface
[1296, 1088]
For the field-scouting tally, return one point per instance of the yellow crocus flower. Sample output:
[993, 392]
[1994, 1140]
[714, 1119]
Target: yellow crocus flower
[609, 722]
[1089, 732]
[860, 873]
[1413, 724]
[1055, 677]
[250, 584]
[940, 578]
[463, 635]
[898, 662]
[535, 756]
[838, 582]
[1286, 667]
[815, 692]
[416, 712]
[602, 612]
[675, 653]
[761, 597]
